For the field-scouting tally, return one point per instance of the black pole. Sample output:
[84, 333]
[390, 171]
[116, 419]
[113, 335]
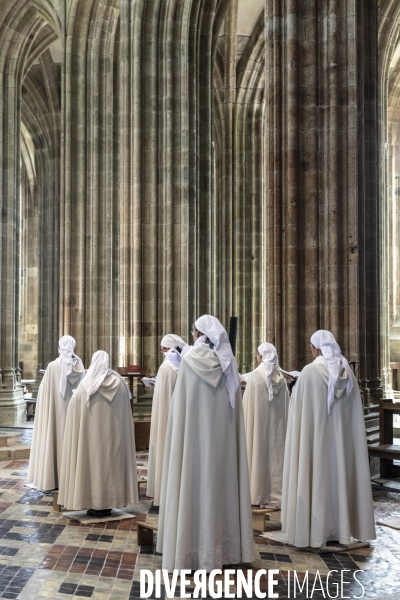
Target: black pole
[233, 327]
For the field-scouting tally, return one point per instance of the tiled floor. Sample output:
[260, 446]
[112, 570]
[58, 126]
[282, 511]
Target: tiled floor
[44, 555]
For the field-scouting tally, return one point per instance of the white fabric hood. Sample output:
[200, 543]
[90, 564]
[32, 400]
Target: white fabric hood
[325, 341]
[98, 372]
[205, 363]
[67, 357]
[270, 361]
[174, 356]
[212, 328]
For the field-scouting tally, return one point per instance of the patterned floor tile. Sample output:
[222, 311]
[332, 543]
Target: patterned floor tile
[43, 555]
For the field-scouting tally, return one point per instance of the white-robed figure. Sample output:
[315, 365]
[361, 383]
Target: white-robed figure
[61, 377]
[265, 406]
[172, 347]
[98, 468]
[326, 492]
[205, 510]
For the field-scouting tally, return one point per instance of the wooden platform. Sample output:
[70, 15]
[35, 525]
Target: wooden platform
[142, 434]
[258, 517]
[145, 533]
[56, 507]
[141, 482]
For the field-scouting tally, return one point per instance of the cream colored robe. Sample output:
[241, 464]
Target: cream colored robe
[326, 493]
[98, 468]
[49, 425]
[205, 509]
[163, 390]
[265, 426]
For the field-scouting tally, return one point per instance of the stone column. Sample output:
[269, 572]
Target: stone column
[315, 121]
[369, 203]
[389, 129]
[89, 196]
[17, 34]
[239, 206]
[28, 348]
[249, 222]
[166, 172]
[40, 116]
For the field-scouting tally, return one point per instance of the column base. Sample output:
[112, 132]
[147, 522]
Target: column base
[12, 408]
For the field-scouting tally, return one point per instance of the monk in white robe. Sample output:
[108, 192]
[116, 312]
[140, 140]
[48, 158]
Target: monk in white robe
[61, 377]
[265, 406]
[172, 347]
[326, 492]
[205, 510]
[98, 469]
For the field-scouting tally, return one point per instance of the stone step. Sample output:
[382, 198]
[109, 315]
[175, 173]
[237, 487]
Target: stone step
[5, 437]
[15, 452]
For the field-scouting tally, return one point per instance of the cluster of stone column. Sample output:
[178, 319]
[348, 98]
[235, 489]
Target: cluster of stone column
[178, 170]
[22, 28]
[322, 165]
[389, 125]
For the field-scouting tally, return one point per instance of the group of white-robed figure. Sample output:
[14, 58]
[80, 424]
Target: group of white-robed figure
[83, 440]
[213, 455]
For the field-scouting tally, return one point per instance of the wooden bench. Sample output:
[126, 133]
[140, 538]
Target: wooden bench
[386, 451]
[145, 533]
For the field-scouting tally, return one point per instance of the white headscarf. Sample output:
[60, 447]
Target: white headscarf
[97, 373]
[173, 342]
[67, 359]
[270, 361]
[325, 341]
[215, 332]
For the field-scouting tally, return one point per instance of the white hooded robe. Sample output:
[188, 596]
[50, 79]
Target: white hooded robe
[205, 510]
[98, 468]
[49, 425]
[326, 493]
[163, 390]
[265, 426]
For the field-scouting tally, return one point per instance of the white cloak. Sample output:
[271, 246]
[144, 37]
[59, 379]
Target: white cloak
[49, 425]
[98, 468]
[163, 390]
[265, 426]
[205, 510]
[326, 493]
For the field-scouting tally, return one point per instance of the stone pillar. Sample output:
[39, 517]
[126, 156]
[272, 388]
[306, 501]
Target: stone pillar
[239, 205]
[89, 196]
[389, 178]
[166, 171]
[17, 34]
[28, 348]
[40, 114]
[322, 274]
[369, 246]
